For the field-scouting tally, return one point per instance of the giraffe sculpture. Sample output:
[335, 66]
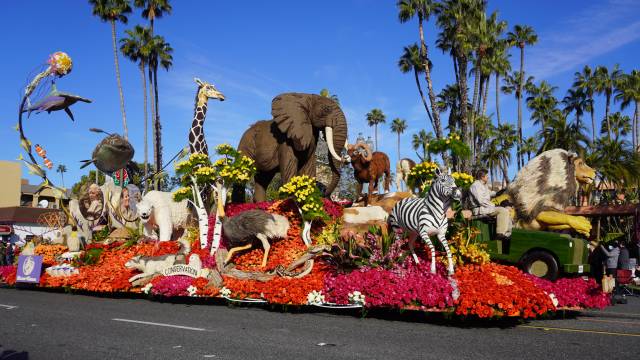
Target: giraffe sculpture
[206, 91]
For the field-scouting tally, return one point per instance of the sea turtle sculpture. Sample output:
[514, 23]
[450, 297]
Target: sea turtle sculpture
[112, 153]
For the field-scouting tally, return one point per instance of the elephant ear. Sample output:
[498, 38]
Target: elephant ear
[291, 112]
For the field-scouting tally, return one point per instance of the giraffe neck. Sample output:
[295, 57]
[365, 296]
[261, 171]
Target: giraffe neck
[197, 142]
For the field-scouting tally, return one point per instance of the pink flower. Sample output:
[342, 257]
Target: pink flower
[408, 284]
[574, 292]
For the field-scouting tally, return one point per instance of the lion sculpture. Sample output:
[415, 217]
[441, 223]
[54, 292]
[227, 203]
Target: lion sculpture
[544, 187]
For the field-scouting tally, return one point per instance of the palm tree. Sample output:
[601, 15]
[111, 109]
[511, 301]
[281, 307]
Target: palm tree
[398, 126]
[585, 80]
[541, 102]
[558, 133]
[513, 84]
[521, 36]
[62, 169]
[616, 161]
[484, 130]
[375, 117]
[448, 99]
[422, 140]
[604, 83]
[456, 19]
[491, 156]
[501, 66]
[408, 9]
[620, 125]
[160, 55]
[484, 33]
[495, 30]
[506, 137]
[628, 91]
[530, 146]
[136, 47]
[576, 100]
[153, 9]
[112, 11]
[410, 61]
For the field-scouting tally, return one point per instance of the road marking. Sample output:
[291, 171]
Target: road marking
[8, 307]
[160, 324]
[636, 323]
[579, 330]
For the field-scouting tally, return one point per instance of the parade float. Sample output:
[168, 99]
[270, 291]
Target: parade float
[300, 250]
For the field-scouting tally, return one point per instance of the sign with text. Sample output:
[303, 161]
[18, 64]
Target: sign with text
[29, 268]
[181, 270]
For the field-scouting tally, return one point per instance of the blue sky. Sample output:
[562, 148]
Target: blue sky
[252, 53]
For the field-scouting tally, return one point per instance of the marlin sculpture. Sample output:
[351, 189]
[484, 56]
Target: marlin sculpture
[54, 101]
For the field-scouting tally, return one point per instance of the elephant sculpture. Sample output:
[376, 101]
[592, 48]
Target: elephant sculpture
[368, 167]
[287, 143]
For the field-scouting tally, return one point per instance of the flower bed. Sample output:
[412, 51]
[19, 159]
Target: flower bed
[494, 290]
[49, 253]
[8, 274]
[408, 284]
[360, 273]
[574, 292]
[109, 273]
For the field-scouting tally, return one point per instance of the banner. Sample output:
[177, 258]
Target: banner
[29, 268]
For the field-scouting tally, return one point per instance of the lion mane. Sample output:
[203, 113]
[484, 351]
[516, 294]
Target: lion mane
[547, 182]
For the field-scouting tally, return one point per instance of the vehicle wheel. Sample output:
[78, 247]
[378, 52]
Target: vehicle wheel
[541, 264]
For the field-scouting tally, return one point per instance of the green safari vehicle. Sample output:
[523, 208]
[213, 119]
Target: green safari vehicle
[541, 253]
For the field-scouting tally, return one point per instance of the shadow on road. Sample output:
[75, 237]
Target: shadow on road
[13, 354]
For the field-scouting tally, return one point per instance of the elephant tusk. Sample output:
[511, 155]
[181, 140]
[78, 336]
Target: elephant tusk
[328, 131]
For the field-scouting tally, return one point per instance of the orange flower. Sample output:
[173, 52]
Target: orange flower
[495, 290]
[49, 253]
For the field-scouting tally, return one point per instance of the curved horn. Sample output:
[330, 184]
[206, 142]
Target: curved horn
[328, 131]
[367, 149]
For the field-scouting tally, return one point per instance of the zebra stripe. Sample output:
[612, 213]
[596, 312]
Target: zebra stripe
[427, 216]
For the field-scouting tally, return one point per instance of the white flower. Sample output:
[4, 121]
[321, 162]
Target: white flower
[315, 298]
[147, 288]
[225, 292]
[357, 298]
[192, 290]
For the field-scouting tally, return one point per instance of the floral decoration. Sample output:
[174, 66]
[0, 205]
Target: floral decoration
[315, 298]
[422, 175]
[303, 190]
[356, 298]
[407, 285]
[50, 253]
[60, 63]
[494, 290]
[574, 292]
[463, 180]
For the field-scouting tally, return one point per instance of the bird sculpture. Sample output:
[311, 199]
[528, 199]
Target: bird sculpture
[242, 229]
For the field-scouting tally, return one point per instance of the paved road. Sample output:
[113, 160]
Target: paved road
[44, 325]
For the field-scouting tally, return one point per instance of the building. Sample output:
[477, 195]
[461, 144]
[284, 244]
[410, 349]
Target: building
[22, 206]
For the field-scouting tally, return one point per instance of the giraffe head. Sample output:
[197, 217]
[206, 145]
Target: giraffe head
[207, 91]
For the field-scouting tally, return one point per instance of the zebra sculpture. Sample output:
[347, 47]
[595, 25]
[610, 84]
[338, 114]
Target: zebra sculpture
[427, 216]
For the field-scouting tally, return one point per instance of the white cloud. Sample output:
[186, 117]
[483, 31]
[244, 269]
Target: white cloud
[589, 33]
